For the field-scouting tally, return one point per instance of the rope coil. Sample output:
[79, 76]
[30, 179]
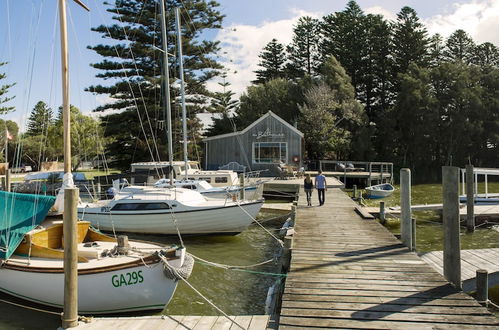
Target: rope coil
[177, 273]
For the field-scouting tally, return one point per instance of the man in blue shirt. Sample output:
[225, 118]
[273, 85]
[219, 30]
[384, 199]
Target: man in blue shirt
[320, 185]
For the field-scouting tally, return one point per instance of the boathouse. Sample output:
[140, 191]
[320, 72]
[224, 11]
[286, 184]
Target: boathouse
[264, 144]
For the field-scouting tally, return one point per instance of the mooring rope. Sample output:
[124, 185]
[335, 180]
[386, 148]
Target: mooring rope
[224, 266]
[180, 277]
[281, 243]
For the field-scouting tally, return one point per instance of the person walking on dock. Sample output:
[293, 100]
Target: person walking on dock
[320, 185]
[308, 185]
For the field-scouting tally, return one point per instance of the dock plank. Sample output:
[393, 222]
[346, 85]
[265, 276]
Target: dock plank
[348, 272]
[256, 322]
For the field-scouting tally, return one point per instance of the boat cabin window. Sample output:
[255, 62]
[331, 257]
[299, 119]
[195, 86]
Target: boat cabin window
[140, 206]
[221, 179]
[207, 179]
[189, 186]
[194, 166]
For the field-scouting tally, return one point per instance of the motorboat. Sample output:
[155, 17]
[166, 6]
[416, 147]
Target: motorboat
[379, 191]
[151, 210]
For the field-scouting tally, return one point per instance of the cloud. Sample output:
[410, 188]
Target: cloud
[241, 44]
[378, 10]
[480, 19]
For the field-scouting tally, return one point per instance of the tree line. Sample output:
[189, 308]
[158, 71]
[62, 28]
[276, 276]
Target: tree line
[425, 101]
[43, 139]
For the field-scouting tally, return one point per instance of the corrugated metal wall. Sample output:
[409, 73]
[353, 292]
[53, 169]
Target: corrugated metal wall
[239, 148]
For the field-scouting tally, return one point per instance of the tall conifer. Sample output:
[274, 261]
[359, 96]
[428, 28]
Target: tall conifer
[133, 65]
[272, 60]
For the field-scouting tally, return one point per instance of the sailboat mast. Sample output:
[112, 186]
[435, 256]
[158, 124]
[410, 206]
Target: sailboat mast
[166, 82]
[182, 86]
[70, 192]
[66, 118]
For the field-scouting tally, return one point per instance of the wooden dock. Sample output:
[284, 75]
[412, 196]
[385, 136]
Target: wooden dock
[250, 322]
[347, 272]
[487, 212]
[471, 260]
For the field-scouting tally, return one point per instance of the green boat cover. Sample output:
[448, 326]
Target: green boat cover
[20, 213]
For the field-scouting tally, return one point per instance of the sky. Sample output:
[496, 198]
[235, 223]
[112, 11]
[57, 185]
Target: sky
[29, 40]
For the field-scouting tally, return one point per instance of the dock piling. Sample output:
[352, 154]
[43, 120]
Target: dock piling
[405, 208]
[382, 215]
[482, 286]
[470, 199]
[450, 215]
[354, 191]
[70, 314]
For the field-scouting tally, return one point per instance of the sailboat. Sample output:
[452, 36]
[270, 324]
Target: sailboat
[171, 210]
[111, 279]
[113, 275]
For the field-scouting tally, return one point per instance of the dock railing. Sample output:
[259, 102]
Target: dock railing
[382, 170]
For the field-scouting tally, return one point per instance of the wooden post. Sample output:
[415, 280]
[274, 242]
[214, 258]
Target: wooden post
[354, 191]
[241, 186]
[382, 215]
[470, 199]
[70, 313]
[7, 180]
[370, 172]
[450, 214]
[99, 190]
[3, 184]
[405, 207]
[413, 224]
[482, 286]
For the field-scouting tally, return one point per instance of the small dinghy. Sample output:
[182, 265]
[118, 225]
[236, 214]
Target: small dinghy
[379, 191]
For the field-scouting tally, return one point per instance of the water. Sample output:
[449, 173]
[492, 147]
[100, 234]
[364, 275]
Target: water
[429, 230]
[235, 292]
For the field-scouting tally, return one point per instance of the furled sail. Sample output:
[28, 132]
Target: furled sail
[20, 213]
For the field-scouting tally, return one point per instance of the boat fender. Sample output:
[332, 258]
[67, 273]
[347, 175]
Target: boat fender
[177, 273]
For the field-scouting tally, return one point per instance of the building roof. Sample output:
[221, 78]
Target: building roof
[268, 114]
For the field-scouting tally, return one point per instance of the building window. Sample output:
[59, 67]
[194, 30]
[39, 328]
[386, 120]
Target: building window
[270, 152]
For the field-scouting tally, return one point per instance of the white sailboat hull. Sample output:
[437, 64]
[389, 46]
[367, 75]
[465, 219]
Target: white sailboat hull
[224, 220]
[125, 290]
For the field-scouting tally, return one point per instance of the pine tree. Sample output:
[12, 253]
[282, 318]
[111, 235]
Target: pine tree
[133, 63]
[3, 90]
[486, 54]
[222, 102]
[410, 41]
[303, 54]
[375, 90]
[344, 37]
[459, 47]
[272, 61]
[39, 120]
[436, 50]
